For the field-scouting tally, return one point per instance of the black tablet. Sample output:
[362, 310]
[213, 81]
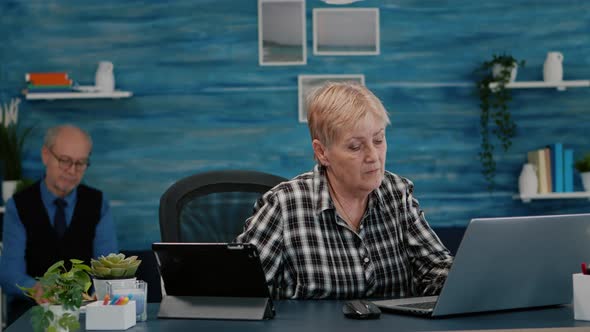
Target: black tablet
[211, 269]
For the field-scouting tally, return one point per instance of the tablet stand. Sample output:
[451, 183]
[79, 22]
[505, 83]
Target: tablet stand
[213, 307]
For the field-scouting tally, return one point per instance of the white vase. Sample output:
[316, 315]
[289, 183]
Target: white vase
[100, 285]
[586, 180]
[498, 68]
[553, 67]
[8, 189]
[527, 181]
[58, 311]
[104, 78]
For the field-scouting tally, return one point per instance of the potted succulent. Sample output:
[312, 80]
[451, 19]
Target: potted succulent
[493, 76]
[113, 268]
[583, 166]
[63, 290]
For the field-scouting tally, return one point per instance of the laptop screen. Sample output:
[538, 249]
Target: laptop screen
[516, 262]
[211, 269]
[509, 263]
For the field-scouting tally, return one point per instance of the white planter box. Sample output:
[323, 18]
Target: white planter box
[110, 317]
[581, 296]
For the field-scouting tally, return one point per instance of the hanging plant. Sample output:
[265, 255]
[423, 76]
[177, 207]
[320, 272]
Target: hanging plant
[495, 117]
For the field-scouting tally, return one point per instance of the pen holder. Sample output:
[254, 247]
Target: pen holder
[581, 296]
[110, 317]
[137, 291]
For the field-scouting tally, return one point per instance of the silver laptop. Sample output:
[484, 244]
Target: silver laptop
[508, 263]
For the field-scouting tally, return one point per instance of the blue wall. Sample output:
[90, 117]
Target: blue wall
[202, 102]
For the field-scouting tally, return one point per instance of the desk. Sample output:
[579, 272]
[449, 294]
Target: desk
[310, 316]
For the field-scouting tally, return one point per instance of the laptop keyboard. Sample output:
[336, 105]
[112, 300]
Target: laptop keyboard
[421, 305]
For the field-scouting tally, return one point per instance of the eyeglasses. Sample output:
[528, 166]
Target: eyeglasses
[66, 163]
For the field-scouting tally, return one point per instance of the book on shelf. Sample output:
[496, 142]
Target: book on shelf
[537, 159]
[548, 169]
[48, 88]
[48, 79]
[557, 167]
[568, 170]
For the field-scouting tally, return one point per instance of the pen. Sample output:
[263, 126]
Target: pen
[115, 299]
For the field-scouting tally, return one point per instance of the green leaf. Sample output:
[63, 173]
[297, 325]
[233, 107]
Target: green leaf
[40, 319]
[117, 272]
[583, 164]
[55, 266]
[69, 322]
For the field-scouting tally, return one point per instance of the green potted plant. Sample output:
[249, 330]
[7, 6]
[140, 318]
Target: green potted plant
[495, 117]
[113, 268]
[12, 141]
[583, 166]
[63, 289]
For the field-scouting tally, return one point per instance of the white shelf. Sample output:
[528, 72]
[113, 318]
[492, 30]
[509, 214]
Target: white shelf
[542, 84]
[578, 194]
[77, 95]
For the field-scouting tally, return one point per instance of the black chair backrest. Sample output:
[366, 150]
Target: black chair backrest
[212, 206]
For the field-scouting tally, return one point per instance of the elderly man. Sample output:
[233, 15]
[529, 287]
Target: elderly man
[57, 218]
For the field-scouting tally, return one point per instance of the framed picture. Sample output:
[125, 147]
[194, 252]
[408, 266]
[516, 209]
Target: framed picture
[308, 83]
[346, 31]
[281, 33]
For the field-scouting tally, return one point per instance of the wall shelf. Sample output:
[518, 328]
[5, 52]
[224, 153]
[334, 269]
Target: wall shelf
[542, 84]
[577, 194]
[77, 95]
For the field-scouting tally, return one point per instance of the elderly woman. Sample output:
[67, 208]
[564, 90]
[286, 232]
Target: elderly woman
[347, 229]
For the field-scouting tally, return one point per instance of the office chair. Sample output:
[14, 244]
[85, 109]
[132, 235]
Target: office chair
[212, 206]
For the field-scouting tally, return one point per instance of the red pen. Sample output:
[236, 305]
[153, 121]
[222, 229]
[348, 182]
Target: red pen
[584, 271]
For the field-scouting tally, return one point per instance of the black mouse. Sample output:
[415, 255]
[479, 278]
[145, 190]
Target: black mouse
[361, 309]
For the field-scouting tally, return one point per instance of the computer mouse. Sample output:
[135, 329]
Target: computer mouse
[361, 309]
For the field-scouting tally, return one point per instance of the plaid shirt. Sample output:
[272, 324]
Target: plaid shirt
[308, 251]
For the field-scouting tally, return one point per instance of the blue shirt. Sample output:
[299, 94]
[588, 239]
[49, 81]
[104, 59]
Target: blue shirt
[12, 262]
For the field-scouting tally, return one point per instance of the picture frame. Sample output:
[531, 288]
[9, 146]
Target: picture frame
[308, 83]
[281, 33]
[346, 31]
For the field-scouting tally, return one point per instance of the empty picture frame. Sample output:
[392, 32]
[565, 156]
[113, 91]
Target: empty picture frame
[346, 31]
[308, 83]
[281, 33]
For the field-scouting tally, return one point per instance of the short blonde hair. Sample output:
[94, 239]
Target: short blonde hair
[339, 106]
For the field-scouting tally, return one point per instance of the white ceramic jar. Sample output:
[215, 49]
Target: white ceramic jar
[553, 67]
[104, 79]
[527, 181]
